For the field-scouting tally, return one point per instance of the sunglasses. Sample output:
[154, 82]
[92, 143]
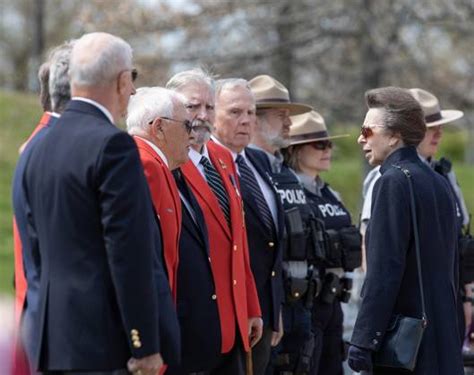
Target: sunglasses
[368, 131]
[321, 145]
[188, 125]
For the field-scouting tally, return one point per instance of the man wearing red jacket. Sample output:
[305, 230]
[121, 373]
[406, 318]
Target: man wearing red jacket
[212, 180]
[159, 124]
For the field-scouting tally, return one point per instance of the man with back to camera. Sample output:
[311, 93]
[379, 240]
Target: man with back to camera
[235, 118]
[209, 179]
[101, 304]
[27, 293]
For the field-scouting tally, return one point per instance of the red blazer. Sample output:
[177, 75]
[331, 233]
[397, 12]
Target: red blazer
[20, 279]
[237, 298]
[165, 196]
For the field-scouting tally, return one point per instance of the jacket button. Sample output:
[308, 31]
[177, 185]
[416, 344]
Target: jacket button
[375, 341]
[209, 258]
[271, 244]
[137, 344]
[235, 247]
[273, 273]
[235, 282]
[134, 332]
[214, 297]
[378, 334]
[296, 294]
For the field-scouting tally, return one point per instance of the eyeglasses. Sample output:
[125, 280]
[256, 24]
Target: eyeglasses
[368, 131]
[188, 125]
[321, 145]
[134, 73]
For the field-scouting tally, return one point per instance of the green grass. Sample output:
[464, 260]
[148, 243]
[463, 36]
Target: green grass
[19, 114]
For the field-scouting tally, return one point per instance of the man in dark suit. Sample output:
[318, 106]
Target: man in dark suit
[211, 177]
[25, 264]
[235, 115]
[103, 294]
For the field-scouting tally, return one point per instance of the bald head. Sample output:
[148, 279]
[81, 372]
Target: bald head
[97, 59]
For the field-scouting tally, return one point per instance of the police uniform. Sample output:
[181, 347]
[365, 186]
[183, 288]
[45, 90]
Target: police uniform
[327, 322]
[300, 277]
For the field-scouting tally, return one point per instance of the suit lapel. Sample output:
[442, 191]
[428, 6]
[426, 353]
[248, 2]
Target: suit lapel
[257, 162]
[200, 187]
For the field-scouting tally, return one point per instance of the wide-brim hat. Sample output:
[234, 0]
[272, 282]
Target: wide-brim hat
[270, 93]
[434, 116]
[309, 127]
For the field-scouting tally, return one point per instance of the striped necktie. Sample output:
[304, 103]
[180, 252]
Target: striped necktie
[215, 183]
[248, 179]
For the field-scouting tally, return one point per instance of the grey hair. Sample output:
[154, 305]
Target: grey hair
[230, 84]
[43, 78]
[149, 103]
[196, 75]
[97, 59]
[59, 85]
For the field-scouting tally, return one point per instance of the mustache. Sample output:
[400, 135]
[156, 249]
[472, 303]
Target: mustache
[200, 125]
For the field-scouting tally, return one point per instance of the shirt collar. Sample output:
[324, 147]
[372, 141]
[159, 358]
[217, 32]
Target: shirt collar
[55, 114]
[196, 156]
[276, 160]
[104, 110]
[157, 150]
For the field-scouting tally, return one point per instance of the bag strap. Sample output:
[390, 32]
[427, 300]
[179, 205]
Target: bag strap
[406, 172]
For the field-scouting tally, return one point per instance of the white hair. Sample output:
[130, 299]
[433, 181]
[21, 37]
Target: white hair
[149, 103]
[196, 75]
[59, 87]
[230, 84]
[97, 59]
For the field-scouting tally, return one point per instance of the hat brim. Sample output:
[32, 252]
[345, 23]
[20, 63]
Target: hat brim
[447, 116]
[295, 108]
[315, 139]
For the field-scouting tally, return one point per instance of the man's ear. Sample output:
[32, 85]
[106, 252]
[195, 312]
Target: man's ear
[157, 127]
[122, 83]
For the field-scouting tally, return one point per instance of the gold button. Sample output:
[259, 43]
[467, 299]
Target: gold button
[235, 247]
[273, 273]
[271, 244]
[214, 297]
[209, 259]
[296, 294]
[135, 337]
[137, 344]
[134, 332]
[333, 290]
[235, 282]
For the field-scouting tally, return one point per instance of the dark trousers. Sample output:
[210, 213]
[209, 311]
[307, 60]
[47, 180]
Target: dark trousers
[293, 354]
[231, 363]
[328, 352]
[112, 372]
[261, 352]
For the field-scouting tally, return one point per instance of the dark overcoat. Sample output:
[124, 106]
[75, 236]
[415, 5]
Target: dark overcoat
[391, 286]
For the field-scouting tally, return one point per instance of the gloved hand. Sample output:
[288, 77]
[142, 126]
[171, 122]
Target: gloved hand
[359, 359]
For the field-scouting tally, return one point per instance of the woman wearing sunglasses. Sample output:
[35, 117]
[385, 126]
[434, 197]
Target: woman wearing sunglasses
[394, 126]
[309, 155]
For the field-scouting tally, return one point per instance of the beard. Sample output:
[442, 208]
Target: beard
[201, 132]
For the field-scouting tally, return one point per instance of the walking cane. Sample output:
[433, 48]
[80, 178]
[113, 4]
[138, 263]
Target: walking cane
[248, 362]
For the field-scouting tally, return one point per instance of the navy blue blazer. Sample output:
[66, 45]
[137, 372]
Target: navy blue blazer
[197, 309]
[391, 285]
[31, 263]
[265, 246]
[103, 294]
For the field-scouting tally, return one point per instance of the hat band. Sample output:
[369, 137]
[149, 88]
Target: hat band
[434, 117]
[273, 100]
[309, 136]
